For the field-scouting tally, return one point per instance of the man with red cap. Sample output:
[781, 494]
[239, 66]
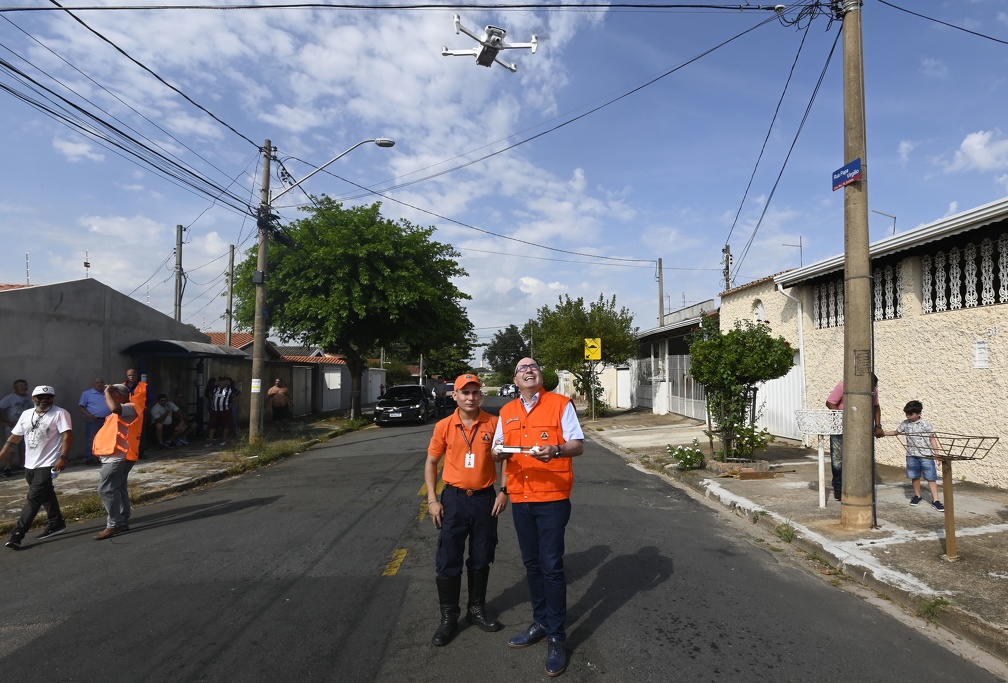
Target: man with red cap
[468, 508]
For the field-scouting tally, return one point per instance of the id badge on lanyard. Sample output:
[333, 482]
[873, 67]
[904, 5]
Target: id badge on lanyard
[470, 458]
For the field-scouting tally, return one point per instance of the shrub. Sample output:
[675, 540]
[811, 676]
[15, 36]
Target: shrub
[689, 457]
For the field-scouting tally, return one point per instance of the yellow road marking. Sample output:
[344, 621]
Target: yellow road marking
[393, 565]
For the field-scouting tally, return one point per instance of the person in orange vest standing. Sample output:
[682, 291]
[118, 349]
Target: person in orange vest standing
[117, 445]
[544, 425]
[468, 508]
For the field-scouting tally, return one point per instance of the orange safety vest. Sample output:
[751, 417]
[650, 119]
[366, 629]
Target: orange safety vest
[530, 480]
[138, 396]
[119, 438]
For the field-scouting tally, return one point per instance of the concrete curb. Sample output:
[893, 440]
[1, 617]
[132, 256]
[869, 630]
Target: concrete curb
[990, 637]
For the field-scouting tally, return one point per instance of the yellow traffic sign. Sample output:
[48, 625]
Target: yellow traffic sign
[593, 348]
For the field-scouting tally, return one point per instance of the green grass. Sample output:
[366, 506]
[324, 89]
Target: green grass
[932, 608]
[785, 532]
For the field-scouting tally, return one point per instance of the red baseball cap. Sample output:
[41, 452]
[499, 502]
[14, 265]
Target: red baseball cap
[465, 379]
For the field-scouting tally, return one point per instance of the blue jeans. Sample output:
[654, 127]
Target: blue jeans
[112, 490]
[540, 528]
[836, 460]
[40, 492]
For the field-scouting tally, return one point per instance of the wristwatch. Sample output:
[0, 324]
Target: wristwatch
[503, 490]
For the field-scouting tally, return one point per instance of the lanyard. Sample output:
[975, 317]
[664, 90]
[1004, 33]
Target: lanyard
[466, 436]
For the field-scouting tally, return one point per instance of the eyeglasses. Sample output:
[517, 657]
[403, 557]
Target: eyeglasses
[527, 368]
[43, 397]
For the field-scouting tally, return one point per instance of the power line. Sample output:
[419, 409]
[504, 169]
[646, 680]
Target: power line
[155, 75]
[766, 139]
[794, 141]
[944, 23]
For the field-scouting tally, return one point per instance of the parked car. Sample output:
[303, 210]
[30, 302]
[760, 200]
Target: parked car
[449, 400]
[405, 403]
[508, 390]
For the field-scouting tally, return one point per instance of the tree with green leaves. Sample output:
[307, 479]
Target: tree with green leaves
[558, 334]
[352, 281]
[505, 350]
[731, 366]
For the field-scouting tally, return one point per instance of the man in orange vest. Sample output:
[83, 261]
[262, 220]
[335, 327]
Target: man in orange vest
[117, 445]
[544, 425]
[468, 508]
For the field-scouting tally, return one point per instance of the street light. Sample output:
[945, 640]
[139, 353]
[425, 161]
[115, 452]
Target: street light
[259, 279]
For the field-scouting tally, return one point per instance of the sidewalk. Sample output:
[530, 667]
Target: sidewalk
[900, 559]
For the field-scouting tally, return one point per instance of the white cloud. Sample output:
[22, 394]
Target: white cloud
[933, 67]
[76, 150]
[953, 209]
[135, 231]
[980, 151]
[905, 149]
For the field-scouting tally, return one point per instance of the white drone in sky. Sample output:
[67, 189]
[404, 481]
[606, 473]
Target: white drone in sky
[491, 42]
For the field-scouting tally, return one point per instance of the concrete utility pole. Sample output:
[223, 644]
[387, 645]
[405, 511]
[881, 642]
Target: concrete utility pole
[727, 266]
[857, 507]
[661, 296]
[259, 327]
[230, 294]
[178, 273]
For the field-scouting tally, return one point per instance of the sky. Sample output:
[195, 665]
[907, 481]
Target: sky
[630, 135]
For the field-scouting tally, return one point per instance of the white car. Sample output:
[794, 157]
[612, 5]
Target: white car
[508, 390]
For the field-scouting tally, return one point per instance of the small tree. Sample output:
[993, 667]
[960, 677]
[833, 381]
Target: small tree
[731, 367]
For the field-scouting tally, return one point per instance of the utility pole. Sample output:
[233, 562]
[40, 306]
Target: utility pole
[178, 273]
[230, 294]
[661, 296]
[87, 265]
[857, 510]
[727, 266]
[259, 327]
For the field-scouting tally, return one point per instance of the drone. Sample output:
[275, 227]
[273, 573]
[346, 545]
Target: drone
[491, 42]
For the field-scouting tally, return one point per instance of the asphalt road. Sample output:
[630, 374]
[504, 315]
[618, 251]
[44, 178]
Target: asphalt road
[320, 568]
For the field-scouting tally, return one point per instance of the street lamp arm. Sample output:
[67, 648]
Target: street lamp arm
[381, 142]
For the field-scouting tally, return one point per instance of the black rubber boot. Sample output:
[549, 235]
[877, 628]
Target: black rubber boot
[448, 595]
[476, 610]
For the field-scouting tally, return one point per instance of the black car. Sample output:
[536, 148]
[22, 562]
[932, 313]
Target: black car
[449, 399]
[405, 403]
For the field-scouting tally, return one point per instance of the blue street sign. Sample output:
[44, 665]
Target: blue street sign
[847, 175]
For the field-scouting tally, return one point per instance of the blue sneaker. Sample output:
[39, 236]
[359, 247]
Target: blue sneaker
[938, 506]
[556, 657]
[915, 500]
[533, 634]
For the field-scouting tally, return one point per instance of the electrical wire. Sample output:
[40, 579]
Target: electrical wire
[766, 139]
[944, 23]
[794, 141]
[155, 75]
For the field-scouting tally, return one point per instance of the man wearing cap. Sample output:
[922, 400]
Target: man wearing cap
[540, 478]
[468, 507]
[117, 445]
[46, 431]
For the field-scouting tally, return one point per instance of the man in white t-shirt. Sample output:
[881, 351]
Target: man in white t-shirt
[165, 417]
[46, 432]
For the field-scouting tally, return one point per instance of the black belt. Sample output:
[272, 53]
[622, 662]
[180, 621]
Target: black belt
[471, 492]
